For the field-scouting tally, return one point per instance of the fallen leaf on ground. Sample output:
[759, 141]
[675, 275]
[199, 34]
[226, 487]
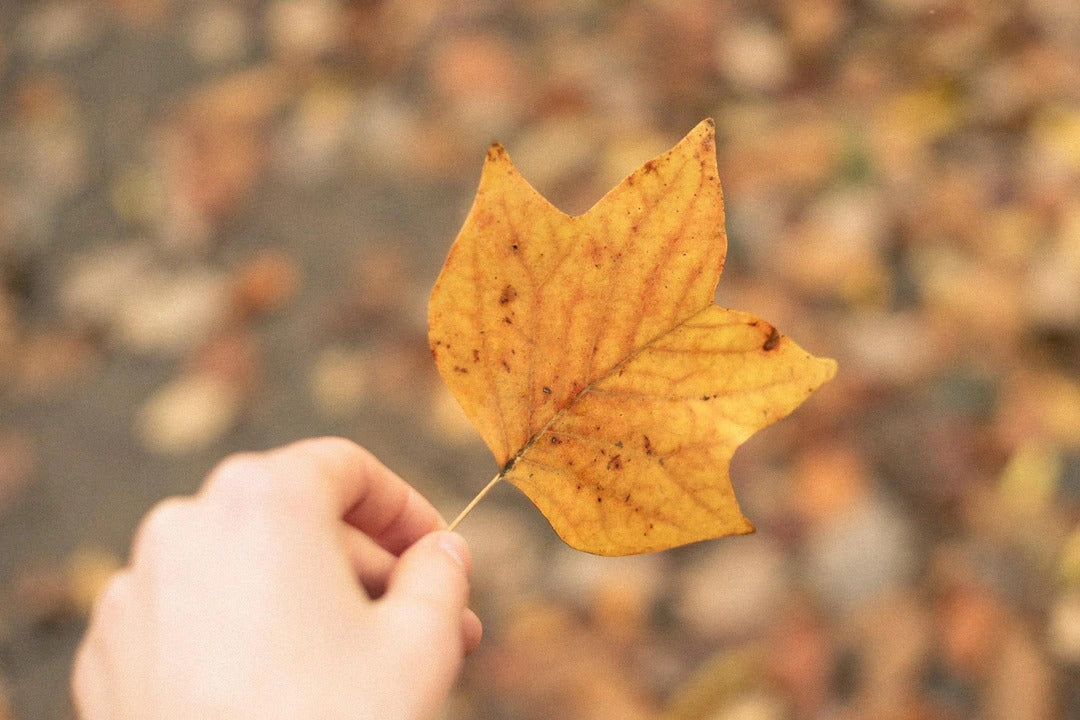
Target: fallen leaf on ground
[188, 414]
[588, 352]
[540, 675]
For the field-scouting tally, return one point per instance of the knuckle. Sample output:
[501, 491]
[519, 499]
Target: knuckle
[164, 521]
[328, 443]
[243, 482]
[238, 475]
[250, 482]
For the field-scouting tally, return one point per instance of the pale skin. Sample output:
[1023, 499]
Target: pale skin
[303, 582]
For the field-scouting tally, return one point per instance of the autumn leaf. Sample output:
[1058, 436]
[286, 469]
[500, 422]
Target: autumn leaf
[589, 354]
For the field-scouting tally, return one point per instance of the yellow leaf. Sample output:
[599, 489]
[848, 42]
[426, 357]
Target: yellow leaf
[590, 356]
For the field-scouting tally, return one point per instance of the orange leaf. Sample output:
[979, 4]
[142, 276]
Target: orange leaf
[590, 356]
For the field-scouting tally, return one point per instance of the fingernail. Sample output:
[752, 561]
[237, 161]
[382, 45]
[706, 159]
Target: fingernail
[454, 545]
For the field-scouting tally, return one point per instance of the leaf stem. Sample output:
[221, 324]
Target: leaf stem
[472, 503]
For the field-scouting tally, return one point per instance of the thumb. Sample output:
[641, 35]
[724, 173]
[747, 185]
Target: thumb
[419, 627]
[428, 590]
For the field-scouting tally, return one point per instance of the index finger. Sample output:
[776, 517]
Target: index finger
[366, 494]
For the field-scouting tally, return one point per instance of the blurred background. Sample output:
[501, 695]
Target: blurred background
[220, 221]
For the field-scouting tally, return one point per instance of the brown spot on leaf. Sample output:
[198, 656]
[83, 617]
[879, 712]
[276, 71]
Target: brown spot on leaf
[459, 369]
[507, 320]
[647, 445]
[475, 355]
[615, 463]
[555, 440]
[509, 294]
[772, 341]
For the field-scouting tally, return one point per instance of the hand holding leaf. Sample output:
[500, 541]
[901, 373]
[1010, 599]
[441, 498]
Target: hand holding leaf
[589, 353]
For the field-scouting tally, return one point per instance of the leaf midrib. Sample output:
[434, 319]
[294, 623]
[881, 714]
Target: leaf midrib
[591, 385]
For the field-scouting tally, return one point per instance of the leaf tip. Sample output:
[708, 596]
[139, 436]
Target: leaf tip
[829, 368]
[497, 165]
[740, 526]
[706, 129]
[823, 370]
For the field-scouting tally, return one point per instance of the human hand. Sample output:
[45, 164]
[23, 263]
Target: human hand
[304, 582]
